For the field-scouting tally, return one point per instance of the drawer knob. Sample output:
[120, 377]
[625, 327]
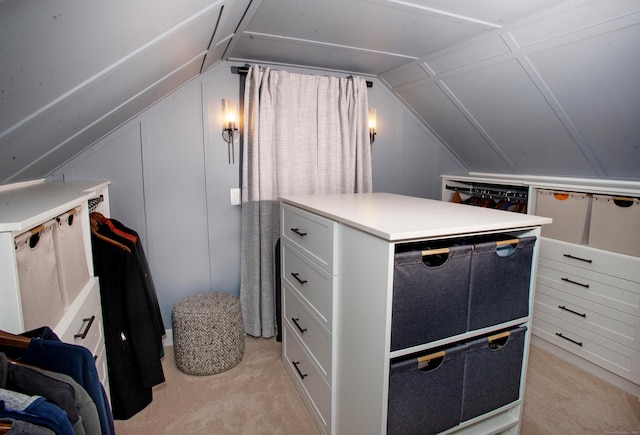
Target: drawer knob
[301, 281]
[82, 335]
[575, 282]
[559, 334]
[298, 232]
[562, 307]
[295, 366]
[578, 258]
[295, 322]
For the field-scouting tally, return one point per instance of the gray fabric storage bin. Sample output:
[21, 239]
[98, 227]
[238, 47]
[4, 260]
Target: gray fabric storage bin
[500, 281]
[426, 400]
[430, 296]
[492, 373]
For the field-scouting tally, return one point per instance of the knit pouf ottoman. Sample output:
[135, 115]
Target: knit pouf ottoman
[208, 336]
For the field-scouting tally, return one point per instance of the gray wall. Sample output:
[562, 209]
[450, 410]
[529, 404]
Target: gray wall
[170, 180]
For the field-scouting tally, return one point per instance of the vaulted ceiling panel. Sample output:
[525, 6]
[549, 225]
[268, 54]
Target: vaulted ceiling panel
[432, 105]
[514, 114]
[48, 133]
[570, 18]
[49, 48]
[264, 48]
[53, 157]
[493, 11]
[596, 81]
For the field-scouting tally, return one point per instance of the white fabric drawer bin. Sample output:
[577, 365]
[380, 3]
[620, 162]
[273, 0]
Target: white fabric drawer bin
[570, 213]
[615, 224]
[38, 274]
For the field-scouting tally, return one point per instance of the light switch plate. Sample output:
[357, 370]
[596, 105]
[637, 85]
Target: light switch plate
[234, 195]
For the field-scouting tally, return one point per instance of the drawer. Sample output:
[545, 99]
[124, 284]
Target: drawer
[312, 234]
[597, 260]
[619, 327]
[601, 351]
[316, 338]
[603, 289]
[307, 376]
[315, 285]
[85, 327]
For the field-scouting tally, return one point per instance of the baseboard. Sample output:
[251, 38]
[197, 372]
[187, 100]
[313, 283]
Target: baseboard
[168, 338]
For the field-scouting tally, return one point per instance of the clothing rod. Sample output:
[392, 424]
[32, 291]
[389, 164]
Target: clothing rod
[245, 70]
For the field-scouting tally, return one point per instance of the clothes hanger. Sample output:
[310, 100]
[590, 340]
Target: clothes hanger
[12, 340]
[94, 221]
[4, 427]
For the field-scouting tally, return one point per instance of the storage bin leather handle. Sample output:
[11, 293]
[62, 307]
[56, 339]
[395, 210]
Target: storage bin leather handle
[423, 361]
[437, 251]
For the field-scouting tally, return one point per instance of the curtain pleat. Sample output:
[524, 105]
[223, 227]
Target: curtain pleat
[304, 134]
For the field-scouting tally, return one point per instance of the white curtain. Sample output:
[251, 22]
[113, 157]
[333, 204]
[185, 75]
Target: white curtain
[303, 134]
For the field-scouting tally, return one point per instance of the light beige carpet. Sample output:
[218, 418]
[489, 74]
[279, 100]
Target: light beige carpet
[254, 397]
[561, 398]
[257, 397]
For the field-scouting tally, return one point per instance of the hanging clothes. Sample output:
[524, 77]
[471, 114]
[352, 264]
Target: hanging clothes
[57, 388]
[133, 325]
[43, 349]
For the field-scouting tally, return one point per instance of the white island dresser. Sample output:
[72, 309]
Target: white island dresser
[378, 341]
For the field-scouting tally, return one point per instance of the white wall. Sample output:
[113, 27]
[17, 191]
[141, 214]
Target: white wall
[170, 180]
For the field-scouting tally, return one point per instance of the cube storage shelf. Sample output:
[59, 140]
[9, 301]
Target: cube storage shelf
[431, 393]
[363, 305]
[588, 280]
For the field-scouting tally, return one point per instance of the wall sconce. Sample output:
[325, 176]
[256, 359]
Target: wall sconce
[372, 125]
[229, 129]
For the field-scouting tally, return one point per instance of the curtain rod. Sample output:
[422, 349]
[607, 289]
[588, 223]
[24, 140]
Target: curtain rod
[245, 70]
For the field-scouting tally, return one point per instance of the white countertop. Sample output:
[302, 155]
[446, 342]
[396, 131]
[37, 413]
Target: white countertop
[25, 205]
[398, 217]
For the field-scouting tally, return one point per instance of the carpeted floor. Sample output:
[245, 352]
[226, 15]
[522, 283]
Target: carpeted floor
[257, 397]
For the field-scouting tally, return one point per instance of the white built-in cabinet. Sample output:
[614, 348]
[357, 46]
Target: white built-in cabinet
[49, 223]
[339, 255]
[587, 303]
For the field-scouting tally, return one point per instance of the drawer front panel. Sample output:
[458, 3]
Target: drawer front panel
[307, 375]
[316, 338]
[85, 329]
[312, 234]
[619, 327]
[584, 257]
[606, 290]
[601, 351]
[313, 283]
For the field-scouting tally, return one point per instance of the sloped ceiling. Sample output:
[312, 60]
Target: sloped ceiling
[543, 87]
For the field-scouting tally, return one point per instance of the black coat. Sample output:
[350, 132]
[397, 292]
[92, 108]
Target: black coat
[130, 327]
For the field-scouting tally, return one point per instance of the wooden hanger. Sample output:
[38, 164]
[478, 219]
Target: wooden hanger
[4, 427]
[95, 221]
[13, 340]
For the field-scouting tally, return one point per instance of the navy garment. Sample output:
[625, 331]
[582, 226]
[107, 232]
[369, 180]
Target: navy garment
[39, 412]
[72, 360]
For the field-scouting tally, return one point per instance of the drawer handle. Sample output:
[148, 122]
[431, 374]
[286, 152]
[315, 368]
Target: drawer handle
[295, 366]
[84, 333]
[298, 232]
[295, 322]
[562, 307]
[559, 334]
[301, 281]
[578, 258]
[575, 282]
